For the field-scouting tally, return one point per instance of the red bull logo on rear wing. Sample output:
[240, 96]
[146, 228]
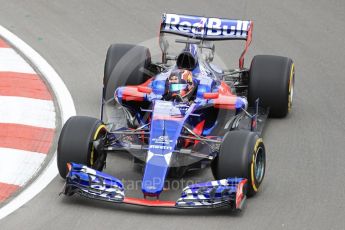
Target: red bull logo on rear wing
[206, 28]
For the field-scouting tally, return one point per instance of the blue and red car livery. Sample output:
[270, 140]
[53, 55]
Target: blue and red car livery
[218, 124]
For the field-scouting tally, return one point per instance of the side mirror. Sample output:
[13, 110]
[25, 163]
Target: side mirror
[144, 89]
[211, 95]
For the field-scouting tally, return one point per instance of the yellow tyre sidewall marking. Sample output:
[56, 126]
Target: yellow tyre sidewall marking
[292, 73]
[258, 141]
[94, 138]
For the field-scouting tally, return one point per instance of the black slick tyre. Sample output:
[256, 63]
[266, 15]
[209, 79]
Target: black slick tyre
[242, 154]
[124, 65]
[271, 79]
[75, 143]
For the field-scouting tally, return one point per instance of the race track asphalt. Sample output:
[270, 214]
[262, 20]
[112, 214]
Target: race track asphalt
[304, 187]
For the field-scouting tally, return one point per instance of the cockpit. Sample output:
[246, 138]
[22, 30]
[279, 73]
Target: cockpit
[180, 85]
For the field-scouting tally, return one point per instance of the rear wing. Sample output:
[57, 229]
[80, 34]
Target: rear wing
[211, 29]
[205, 28]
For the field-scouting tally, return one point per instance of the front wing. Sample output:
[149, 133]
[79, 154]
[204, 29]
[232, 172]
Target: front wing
[90, 183]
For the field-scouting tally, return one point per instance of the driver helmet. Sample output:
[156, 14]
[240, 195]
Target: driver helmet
[180, 82]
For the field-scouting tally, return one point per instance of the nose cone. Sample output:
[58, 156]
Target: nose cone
[155, 173]
[167, 122]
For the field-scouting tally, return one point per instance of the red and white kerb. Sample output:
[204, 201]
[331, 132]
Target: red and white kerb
[27, 121]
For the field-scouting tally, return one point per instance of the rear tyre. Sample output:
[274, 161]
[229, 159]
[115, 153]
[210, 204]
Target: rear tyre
[271, 79]
[76, 143]
[242, 154]
[124, 65]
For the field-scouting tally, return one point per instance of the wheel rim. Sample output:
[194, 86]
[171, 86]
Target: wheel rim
[100, 131]
[259, 165]
[291, 86]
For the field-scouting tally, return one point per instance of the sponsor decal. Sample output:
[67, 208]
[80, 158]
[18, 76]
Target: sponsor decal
[183, 109]
[160, 147]
[163, 105]
[205, 26]
[162, 140]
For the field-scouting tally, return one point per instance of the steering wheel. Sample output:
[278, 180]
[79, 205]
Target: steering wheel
[177, 97]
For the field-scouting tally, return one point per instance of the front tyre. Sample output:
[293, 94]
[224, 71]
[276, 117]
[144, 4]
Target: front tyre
[76, 143]
[242, 154]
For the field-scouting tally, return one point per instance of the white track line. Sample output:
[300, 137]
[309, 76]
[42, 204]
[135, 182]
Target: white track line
[10, 61]
[67, 109]
[27, 111]
[10, 173]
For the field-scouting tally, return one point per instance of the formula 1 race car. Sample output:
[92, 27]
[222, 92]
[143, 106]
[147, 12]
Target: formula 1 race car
[180, 114]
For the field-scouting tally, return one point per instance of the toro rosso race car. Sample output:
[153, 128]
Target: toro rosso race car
[183, 113]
